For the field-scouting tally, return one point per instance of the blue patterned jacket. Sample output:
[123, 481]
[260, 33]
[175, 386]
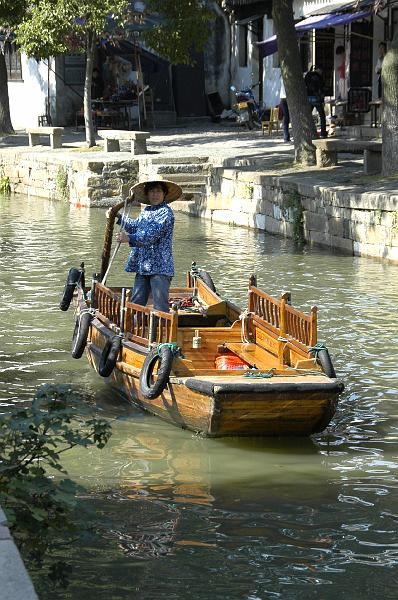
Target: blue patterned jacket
[151, 239]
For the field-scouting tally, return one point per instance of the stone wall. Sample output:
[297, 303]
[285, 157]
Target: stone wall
[363, 224]
[94, 180]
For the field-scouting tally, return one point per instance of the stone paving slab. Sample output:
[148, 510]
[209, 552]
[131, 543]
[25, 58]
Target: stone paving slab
[226, 145]
[15, 583]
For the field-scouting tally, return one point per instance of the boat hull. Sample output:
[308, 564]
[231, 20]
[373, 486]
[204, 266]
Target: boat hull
[229, 405]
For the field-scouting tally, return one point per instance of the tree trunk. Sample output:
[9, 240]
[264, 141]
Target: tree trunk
[389, 122]
[5, 119]
[88, 115]
[296, 94]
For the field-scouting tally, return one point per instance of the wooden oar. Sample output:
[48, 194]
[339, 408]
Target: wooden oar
[116, 250]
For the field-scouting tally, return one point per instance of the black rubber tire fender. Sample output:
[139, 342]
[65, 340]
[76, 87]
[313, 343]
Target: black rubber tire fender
[70, 285]
[109, 356]
[206, 277]
[80, 334]
[323, 359]
[152, 390]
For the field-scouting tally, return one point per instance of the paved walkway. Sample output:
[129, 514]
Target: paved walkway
[230, 145]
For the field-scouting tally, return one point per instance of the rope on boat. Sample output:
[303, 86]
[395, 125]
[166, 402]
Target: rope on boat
[317, 348]
[271, 373]
[175, 348]
[244, 318]
[260, 374]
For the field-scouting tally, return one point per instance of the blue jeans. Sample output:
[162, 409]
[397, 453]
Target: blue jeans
[317, 103]
[286, 119]
[159, 285]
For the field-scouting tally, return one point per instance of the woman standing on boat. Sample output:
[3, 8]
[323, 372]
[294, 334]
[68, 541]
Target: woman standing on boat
[150, 237]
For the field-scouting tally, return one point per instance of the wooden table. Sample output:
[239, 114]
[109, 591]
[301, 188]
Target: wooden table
[116, 111]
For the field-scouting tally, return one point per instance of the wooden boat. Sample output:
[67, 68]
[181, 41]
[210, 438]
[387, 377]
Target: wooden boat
[274, 378]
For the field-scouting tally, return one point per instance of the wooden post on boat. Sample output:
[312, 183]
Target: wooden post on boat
[94, 281]
[313, 326]
[250, 302]
[282, 341]
[152, 329]
[123, 312]
[174, 324]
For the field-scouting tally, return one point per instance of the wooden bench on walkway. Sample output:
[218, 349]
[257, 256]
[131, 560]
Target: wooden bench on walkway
[55, 134]
[328, 149]
[112, 137]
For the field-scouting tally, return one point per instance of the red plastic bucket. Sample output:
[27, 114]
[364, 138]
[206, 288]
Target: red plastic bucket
[230, 362]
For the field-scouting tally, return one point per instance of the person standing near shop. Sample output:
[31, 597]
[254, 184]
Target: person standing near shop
[379, 65]
[316, 96]
[285, 112]
[340, 73]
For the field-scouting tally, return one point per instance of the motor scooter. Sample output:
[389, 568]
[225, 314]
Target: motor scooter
[248, 111]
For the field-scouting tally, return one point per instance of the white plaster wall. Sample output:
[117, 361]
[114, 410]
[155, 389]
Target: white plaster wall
[243, 76]
[28, 97]
[271, 80]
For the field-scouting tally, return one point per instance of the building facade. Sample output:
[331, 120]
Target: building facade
[347, 53]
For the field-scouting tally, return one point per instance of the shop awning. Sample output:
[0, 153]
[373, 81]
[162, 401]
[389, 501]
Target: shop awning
[270, 46]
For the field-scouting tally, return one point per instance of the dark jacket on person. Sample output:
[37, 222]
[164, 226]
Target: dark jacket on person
[315, 85]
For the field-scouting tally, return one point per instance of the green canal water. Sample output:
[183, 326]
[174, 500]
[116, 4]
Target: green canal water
[185, 517]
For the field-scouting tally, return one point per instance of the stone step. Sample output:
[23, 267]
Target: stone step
[161, 118]
[185, 168]
[193, 195]
[171, 160]
[183, 178]
[193, 189]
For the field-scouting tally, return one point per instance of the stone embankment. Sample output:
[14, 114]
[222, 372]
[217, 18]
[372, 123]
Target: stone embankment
[15, 583]
[253, 188]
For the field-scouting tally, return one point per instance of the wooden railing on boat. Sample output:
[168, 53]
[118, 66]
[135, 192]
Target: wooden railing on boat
[140, 324]
[282, 319]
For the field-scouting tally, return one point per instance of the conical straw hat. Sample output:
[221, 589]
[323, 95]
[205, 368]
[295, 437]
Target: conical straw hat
[174, 191]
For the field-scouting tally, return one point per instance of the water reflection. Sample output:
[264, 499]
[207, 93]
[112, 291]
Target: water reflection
[269, 513]
[180, 516]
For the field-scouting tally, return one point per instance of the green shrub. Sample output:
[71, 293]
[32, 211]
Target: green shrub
[5, 184]
[61, 183]
[38, 506]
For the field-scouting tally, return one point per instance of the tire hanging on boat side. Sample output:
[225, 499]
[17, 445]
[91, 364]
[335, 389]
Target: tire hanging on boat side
[70, 285]
[207, 279]
[152, 390]
[80, 333]
[323, 358]
[109, 356]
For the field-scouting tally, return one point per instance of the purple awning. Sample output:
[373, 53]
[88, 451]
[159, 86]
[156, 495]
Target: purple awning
[270, 46]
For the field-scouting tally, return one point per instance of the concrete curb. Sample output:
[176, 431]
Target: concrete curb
[15, 583]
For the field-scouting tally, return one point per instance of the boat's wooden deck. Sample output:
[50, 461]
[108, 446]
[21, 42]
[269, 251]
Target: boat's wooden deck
[254, 355]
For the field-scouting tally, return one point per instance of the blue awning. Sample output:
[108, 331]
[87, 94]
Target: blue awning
[270, 46]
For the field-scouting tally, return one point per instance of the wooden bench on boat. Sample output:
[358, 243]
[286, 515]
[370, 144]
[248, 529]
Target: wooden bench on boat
[55, 134]
[327, 151]
[113, 137]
